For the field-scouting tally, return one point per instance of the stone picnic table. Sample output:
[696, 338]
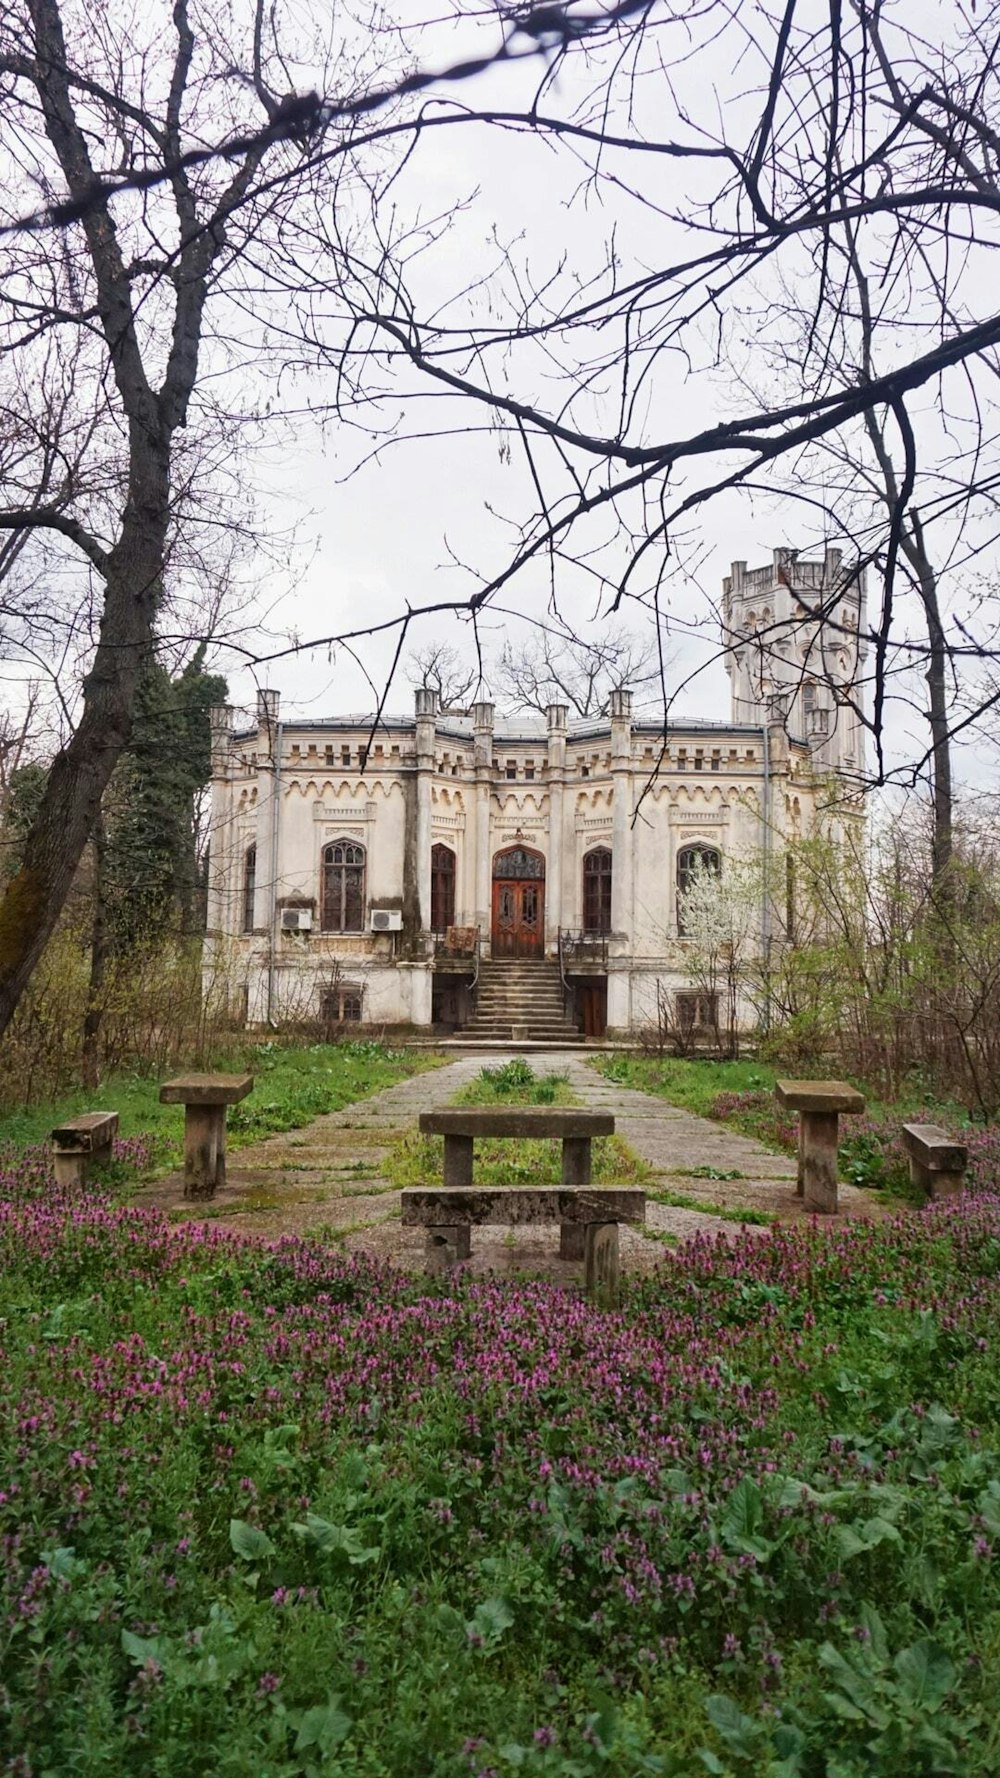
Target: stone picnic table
[574, 1128]
[819, 1104]
[204, 1098]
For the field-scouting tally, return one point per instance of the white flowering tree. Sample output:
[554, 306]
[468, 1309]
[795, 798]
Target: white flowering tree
[721, 914]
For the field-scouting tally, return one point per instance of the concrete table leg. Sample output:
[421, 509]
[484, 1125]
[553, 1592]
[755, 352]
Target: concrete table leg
[819, 1160]
[458, 1160]
[204, 1150]
[800, 1178]
[575, 1171]
[445, 1247]
[601, 1271]
[69, 1169]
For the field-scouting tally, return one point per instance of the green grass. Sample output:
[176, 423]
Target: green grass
[694, 1084]
[419, 1160]
[292, 1085]
[516, 1083]
[727, 1212]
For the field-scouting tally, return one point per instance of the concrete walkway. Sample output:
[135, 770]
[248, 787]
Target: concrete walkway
[326, 1179]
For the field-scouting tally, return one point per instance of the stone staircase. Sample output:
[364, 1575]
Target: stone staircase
[524, 992]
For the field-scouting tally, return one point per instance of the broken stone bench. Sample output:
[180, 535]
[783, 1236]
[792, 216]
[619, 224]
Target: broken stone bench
[81, 1143]
[574, 1129]
[937, 1163]
[204, 1098]
[819, 1104]
[448, 1213]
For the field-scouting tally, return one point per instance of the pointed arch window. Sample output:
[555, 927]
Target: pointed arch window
[597, 890]
[343, 888]
[694, 862]
[249, 886]
[442, 888]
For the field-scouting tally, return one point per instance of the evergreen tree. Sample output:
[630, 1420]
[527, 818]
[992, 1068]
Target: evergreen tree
[152, 867]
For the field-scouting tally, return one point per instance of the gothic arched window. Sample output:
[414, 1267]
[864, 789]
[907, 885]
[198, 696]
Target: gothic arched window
[343, 888]
[249, 886]
[442, 888]
[597, 890]
[694, 862]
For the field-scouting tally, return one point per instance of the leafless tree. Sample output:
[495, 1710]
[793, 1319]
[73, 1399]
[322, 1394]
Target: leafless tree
[731, 156]
[735, 155]
[561, 669]
[439, 667]
[165, 179]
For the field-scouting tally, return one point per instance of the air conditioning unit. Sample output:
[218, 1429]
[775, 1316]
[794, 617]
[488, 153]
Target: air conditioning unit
[296, 919]
[387, 919]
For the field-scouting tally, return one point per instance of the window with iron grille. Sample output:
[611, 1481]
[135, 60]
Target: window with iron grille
[249, 886]
[343, 888]
[442, 888]
[597, 890]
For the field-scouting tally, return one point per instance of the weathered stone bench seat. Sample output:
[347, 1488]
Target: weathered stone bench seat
[937, 1161]
[204, 1098]
[819, 1104]
[554, 1122]
[82, 1142]
[573, 1126]
[448, 1213]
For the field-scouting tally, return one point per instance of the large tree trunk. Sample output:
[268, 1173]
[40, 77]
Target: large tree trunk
[80, 773]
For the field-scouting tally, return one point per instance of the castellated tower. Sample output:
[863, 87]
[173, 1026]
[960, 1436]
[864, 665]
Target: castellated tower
[794, 633]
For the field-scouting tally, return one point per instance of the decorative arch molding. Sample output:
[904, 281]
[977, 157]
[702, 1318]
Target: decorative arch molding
[450, 799]
[525, 803]
[345, 789]
[593, 799]
[518, 861]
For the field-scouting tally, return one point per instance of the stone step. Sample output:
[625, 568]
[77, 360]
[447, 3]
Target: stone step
[537, 1033]
[520, 1000]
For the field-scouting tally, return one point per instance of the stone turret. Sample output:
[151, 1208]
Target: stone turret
[793, 631]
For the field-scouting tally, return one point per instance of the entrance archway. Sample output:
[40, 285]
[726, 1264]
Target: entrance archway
[518, 928]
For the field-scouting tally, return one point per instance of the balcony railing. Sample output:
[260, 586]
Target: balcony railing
[578, 948]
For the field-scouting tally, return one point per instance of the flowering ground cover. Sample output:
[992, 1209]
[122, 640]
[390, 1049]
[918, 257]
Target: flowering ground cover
[265, 1510]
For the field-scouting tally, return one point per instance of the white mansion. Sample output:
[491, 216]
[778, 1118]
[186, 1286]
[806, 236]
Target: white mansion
[388, 874]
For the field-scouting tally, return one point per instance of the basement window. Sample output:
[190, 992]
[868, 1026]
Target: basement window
[696, 1012]
[342, 1005]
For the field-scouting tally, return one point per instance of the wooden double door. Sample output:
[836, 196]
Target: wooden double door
[518, 926]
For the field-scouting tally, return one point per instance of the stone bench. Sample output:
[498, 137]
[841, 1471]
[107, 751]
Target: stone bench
[819, 1104]
[449, 1212]
[204, 1098]
[937, 1163]
[81, 1143]
[574, 1128]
